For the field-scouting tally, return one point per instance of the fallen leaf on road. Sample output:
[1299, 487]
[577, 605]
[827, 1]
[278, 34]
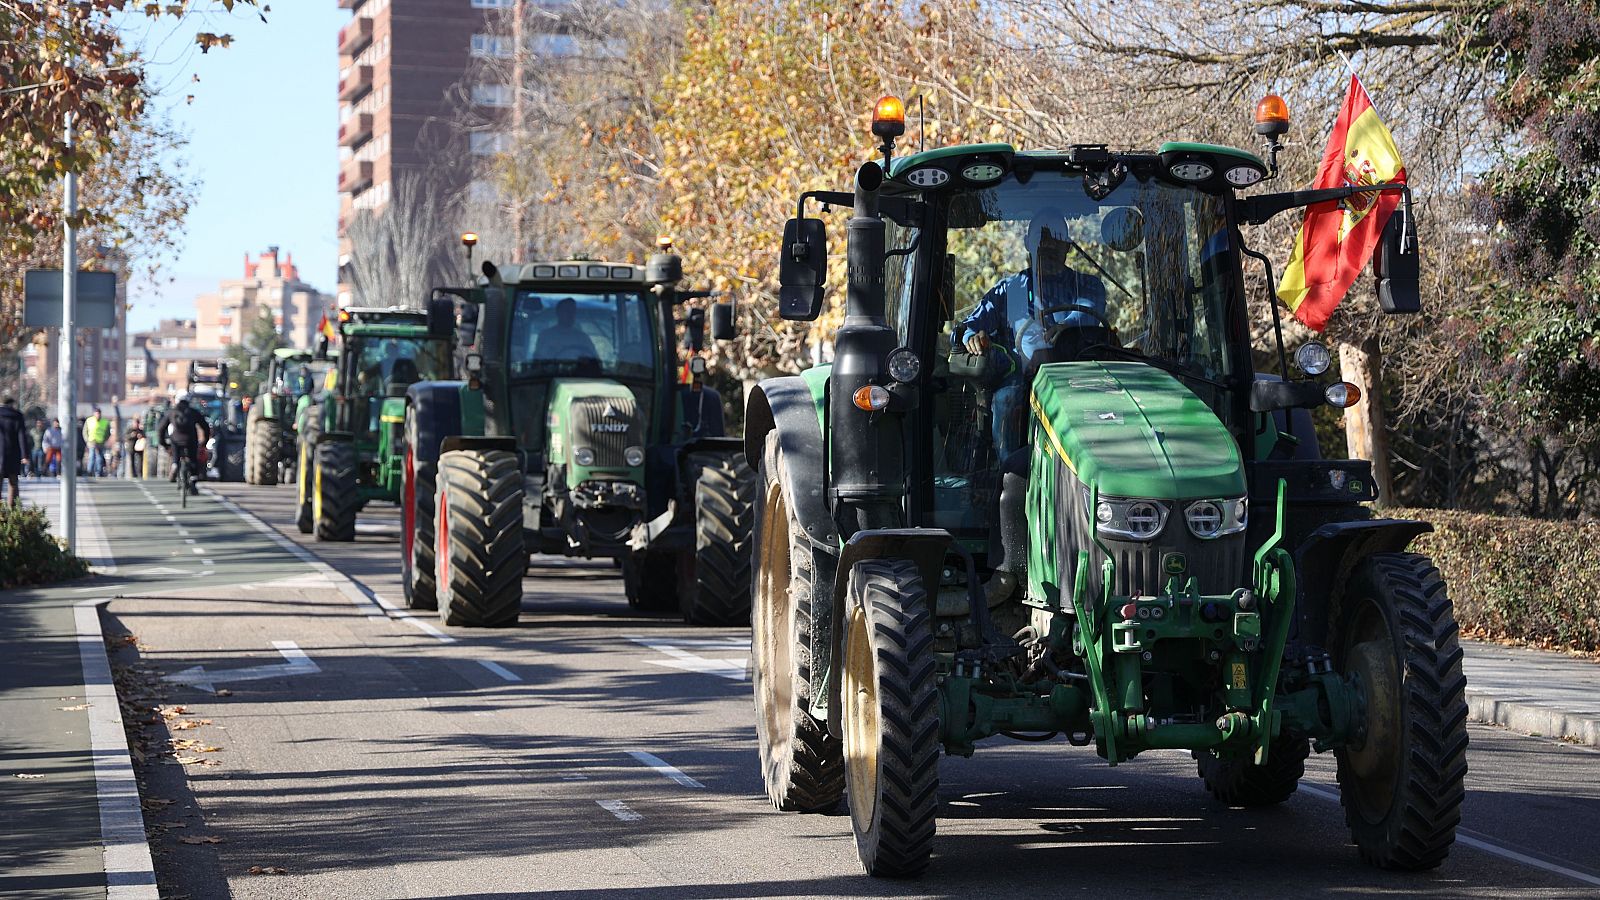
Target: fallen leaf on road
[73, 708]
[172, 712]
[28, 775]
[197, 761]
[202, 839]
[268, 870]
[156, 803]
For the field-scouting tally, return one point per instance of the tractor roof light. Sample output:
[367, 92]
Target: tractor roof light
[469, 238]
[1272, 116]
[1313, 358]
[889, 118]
[1342, 395]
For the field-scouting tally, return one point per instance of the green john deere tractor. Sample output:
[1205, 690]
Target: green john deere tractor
[1058, 342]
[350, 440]
[571, 434]
[269, 449]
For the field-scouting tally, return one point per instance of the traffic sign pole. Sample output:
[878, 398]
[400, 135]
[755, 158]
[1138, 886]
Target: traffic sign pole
[67, 382]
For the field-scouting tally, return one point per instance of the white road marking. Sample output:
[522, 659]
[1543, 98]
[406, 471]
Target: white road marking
[130, 873]
[500, 670]
[187, 540]
[198, 550]
[735, 668]
[160, 570]
[1487, 847]
[207, 562]
[296, 663]
[620, 810]
[663, 767]
[345, 583]
[103, 588]
[413, 620]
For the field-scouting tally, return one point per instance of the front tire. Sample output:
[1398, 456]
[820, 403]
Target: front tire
[649, 580]
[890, 718]
[304, 465]
[1402, 785]
[336, 497]
[801, 764]
[718, 593]
[261, 451]
[479, 553]
[1239, 782]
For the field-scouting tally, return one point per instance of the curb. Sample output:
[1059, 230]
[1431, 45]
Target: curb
[1531, 718]
[129, 870]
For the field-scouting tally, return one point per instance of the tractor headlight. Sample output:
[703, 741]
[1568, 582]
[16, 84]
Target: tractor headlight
[583, 456]
[1216, 518]
[633, 456]
[904, 365]
[1132, 520]
[1313, 358]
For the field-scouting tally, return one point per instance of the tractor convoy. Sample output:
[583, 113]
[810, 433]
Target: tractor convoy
[1041, 491]
[1058, 342]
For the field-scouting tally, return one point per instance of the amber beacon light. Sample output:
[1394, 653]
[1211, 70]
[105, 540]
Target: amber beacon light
[889, 117]
[1272, 116]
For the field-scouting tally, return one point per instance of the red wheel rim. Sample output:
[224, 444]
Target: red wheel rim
[408, 512]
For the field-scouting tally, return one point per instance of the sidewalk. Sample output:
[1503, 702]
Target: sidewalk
[1534, 691]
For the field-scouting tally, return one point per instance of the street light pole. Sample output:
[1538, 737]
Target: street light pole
[67, 381]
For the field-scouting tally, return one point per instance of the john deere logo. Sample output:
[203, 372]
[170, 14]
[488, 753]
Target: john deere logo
[1174, 564]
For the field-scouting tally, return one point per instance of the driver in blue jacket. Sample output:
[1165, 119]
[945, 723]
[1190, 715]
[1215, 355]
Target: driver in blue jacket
[1006, 309]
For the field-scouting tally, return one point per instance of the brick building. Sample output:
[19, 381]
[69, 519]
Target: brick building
[270, 287]
[158, 360]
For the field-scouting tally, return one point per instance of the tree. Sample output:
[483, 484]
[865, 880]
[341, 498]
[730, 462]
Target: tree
[399, 253]
[248, 359]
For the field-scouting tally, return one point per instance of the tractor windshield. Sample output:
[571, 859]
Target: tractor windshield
[595, 335]
[1144, 271]
[384, 363]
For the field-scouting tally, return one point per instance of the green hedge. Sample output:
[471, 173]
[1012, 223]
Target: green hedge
[29, 554]
[1524, 580]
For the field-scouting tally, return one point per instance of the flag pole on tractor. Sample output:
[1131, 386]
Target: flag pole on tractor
[1335, 242]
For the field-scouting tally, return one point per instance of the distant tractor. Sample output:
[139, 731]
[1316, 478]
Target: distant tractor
[211, 392]
[571, 434]
[1042, 491]
[349, 439]
[293, 377]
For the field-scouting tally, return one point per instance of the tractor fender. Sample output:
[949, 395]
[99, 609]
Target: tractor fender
[926, 547]
[436, 407]
[1325, 559]
[786, 404]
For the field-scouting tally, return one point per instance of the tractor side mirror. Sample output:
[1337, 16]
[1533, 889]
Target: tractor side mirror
[1397, 265]
[441, 316]
[1266, 396]
[722, 328]
[322, 347]
[802, 269]
[467, 326]
[695, 329]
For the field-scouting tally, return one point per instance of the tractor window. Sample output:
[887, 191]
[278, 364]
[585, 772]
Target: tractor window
[897, 276]
[381, 361]
[555, 334]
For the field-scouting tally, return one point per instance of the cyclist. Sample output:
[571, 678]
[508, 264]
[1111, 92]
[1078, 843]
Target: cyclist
[184, 432]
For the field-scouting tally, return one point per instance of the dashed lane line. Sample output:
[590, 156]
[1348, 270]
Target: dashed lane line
[415, 621]
[499, 670]
[662, 767]
[1478, 843]
[620, 810]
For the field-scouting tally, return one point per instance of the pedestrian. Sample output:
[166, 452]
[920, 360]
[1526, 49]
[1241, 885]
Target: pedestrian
[39, 428]
[54, 441]
[96, 432]
[136, 445]
[13, 446]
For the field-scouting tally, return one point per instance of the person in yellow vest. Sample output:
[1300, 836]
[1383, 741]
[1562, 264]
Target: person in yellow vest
[96, 432]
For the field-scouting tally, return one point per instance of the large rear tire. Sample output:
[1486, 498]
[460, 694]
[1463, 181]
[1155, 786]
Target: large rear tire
[802, 765]
[261, 449]
[479, 554]
[890, 717]
[337, 494]
[716, 589]
[1402, 784]
[416, 533]
[1240, 782]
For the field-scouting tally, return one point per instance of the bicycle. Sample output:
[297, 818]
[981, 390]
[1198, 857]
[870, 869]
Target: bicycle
[184, 479]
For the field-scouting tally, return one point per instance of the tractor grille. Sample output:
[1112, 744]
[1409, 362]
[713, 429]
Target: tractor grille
[607, 425]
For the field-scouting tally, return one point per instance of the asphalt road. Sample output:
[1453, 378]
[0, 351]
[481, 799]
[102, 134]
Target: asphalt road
[597, 752]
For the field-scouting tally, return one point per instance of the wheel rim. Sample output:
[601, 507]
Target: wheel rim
[1369, 654]
[863, 730]
[771, 638]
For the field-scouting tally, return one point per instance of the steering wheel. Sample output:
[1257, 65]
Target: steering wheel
[1054, 331]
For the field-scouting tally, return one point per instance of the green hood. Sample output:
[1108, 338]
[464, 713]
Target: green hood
[1136, 431]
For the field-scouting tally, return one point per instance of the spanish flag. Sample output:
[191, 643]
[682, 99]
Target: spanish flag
[1338, 237]
[325, 328]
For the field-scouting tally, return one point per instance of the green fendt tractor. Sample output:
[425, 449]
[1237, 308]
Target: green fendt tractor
[269, 449]
[1043, 491]
[350, 439]
[211, 393]
[572, 435]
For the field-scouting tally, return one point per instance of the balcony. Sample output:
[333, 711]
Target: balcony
[354, 37]
[351, 4]
[357, 81]
[356, 177]
[354, 131]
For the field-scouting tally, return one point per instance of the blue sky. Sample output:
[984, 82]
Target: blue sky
[262, 144]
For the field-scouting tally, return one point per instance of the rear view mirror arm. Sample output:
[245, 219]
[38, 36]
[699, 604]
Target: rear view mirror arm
[1272, 301]
[1258, 209]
